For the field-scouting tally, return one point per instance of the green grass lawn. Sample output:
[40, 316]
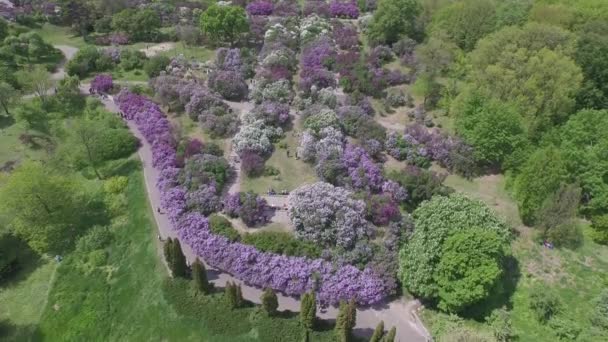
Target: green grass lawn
[24, 295]
[11, 148]
[292, 173]
[59, 35]
[122, 299]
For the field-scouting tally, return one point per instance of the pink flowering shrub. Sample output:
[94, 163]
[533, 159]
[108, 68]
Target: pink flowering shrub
[230, 84]
[102, 84]
[260, 8]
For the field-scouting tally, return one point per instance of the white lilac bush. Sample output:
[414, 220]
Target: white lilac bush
[290, 275]
[328, 215]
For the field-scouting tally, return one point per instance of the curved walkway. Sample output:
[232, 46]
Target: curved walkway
[398, 313]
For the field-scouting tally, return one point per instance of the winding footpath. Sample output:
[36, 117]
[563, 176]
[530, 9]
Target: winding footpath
[399, 313]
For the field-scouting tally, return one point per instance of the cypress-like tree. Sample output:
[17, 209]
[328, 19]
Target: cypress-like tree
[239, 296]
[270, 302]
[231, 295]
[346, 320]
[308, 310]
[390, 337]
[199, 277]
[378, 333]
[168, 251]
[178, 260]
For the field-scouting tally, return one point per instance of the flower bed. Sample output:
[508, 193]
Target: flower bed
[290, 275]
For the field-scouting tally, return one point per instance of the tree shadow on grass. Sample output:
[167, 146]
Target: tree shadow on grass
[13, 332]
[6, 121]
[121, 167]
[26, 261]
[502, 297]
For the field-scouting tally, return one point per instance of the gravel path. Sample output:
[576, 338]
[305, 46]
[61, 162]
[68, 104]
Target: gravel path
[400, 313]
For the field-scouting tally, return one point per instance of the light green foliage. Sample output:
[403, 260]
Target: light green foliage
[512, 12]
[68, 97]
[35, 80]
[600, 315]
[90, 143]
[391, 335]
[43, 207]
[346, 321]
[221, 226]
[3, 29]
[500, 322]
[32, 115]
[531, 68]
[270, 303]
[565, 329]
[435, 55]
[469, 268]
[436, 220]
[544, 303]
[224, 23]
[600, 228]
[392, 20]
[556, 217]
[98, 237]
[132, 59]
[308, 310]
[492, 127]
[324, 118]
[378, 333]
[116, 185]
[199, 277]
[9, 96]
[540, 176]
[155, 65]
[88, 60]
[141, 25]
[584, 143]
[466, 21]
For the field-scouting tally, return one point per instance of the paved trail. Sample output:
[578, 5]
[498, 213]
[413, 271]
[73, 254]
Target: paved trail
[399, 313]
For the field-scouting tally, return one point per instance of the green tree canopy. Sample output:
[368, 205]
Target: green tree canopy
[392, 20]
[591, 52]
[539, 177]
[436, 220]
[584, 147]
[470, 267]
[466, 21]
[494, 128]
[8, 96]
[224, 23]
[139, 24]
[43, 207]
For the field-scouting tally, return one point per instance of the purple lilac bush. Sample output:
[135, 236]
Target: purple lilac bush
[343, 9]
[363, 173]
[260, 8]
[102, 84]
[290, 275]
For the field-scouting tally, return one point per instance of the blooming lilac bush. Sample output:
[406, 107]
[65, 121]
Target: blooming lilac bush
[318, 7]
[203, 200]
[363, 173]
[279, 91]
[260, 8]
[102, 84]
[271, 113]
[230, 84]
[346, 36]
[328, 215]
[254, 210]
[255, 137]
[343, 9]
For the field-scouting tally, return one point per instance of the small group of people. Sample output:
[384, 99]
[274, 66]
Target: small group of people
[272, 192]
[289, 154]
